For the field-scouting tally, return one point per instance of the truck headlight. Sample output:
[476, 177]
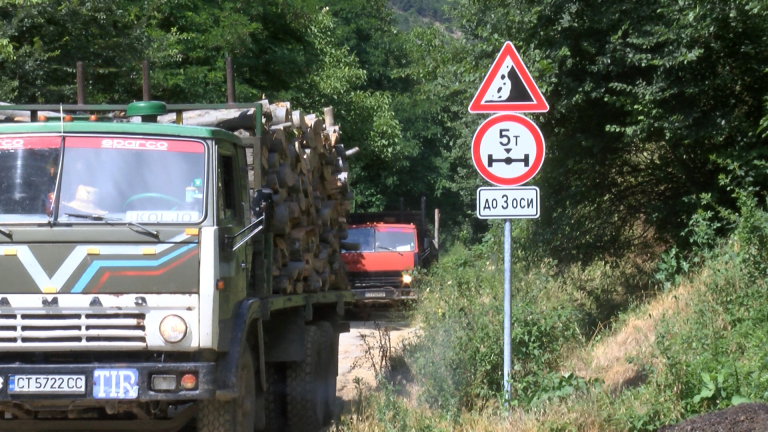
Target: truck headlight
[407, 279]
[173, 328]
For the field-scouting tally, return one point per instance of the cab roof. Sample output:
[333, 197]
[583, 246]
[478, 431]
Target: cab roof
[99, 127]
[383, 225]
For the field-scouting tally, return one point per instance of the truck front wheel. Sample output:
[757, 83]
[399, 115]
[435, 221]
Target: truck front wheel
[236, 415]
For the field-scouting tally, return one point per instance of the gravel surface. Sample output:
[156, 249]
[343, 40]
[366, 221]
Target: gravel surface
[352, 350]
[740, 418]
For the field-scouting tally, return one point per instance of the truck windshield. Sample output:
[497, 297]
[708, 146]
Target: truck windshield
[134, 179]
[383, 239]
[395, 239]
[362, 236]
[28, 171]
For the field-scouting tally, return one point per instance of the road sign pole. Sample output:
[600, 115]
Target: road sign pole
[508, 88]
[507, 308]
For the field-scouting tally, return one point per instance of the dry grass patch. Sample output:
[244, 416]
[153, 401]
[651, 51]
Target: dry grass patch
[607, 359]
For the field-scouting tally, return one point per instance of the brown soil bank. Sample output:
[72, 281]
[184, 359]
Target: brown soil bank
[752, 417]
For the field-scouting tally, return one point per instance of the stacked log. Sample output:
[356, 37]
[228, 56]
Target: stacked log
[304, 164]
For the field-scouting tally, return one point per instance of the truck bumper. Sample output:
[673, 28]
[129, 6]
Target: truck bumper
[95, 376]
[384, 294]
[170, 425]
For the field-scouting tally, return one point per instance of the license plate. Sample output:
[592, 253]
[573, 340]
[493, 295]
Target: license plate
[375, 294]
[50, 384]
[115, 384]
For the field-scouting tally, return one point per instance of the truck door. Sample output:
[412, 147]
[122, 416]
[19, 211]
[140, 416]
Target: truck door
[231, 214]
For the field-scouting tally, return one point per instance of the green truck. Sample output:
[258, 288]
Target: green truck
[138, 271]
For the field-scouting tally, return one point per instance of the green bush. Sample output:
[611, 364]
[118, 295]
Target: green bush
[457, 361]
[713, 355]
[718, 351]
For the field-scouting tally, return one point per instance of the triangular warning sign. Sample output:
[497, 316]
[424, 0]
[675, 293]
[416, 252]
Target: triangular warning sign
[508, 87]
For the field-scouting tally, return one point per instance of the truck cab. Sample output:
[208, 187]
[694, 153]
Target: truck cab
[381, 267]
[382, 251]
[136, 293]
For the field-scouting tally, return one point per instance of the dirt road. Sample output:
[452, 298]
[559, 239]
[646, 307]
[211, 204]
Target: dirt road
[367, 337]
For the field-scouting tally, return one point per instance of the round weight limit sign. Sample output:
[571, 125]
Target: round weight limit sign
[508, 149]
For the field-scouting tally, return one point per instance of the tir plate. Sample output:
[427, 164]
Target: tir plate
[46, 384]
[115, 384]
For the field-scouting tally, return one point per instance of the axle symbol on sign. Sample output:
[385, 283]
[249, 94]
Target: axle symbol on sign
[504, 141]
[508, 160]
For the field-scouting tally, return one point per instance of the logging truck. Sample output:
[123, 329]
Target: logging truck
[384, 249]
[153, 277]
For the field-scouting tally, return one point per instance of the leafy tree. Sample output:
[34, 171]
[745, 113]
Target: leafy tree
[293, 50]
[42, 40]
[649, 103]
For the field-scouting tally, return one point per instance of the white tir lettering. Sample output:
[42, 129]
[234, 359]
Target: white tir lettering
[133, 390]
[113, 393]
[100, 375]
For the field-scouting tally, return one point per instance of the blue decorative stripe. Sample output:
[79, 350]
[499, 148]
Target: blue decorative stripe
[95, 266]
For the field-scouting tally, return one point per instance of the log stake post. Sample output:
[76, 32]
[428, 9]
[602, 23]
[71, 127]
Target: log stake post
[268, 238]
[437, 229]
[80, 84]
[145, 80]
[230, 81]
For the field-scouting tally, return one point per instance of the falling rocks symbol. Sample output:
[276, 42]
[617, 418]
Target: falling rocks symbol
[508, 87]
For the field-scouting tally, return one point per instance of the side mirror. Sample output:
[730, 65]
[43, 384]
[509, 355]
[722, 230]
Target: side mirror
[349, 246]
[260, 198]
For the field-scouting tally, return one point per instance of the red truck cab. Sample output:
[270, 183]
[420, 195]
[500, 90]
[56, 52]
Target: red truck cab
[381, 267]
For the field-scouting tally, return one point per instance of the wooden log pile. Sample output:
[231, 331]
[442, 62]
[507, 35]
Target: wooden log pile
[304, 163]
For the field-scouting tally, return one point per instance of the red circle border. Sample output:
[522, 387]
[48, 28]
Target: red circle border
[538, 139]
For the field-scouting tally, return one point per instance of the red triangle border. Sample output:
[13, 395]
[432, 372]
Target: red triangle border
[539, 104]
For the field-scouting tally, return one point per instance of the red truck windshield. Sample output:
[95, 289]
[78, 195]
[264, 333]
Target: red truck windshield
[383, 239]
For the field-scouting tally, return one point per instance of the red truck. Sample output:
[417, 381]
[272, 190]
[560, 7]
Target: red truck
[383, 250]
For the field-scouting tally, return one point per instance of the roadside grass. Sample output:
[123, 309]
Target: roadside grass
[627, 345]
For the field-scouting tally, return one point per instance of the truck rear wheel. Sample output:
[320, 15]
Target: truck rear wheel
[329, 348]
[305, 387]
[275, 398]
[236, 415]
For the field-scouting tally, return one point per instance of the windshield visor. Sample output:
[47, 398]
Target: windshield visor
[133, 179]
[28, 170]
[395, 240]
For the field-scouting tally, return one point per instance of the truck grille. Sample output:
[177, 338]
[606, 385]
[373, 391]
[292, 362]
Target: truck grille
[76, 330]
[375, 280]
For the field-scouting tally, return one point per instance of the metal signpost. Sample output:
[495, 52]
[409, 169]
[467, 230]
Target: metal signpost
[508, 150]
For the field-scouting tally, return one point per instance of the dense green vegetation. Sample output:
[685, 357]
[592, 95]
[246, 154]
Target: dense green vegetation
[654, 179]
[708, 353]
[416, 13]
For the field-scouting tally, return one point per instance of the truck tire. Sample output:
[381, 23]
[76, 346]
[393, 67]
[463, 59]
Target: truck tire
[305, 396]
[236, 415]
[330, 358]
[274, 398]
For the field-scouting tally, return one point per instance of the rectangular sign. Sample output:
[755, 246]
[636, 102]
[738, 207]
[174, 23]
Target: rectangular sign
[47, 384]
[163, 216]
[508, 202]
[115, 384]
